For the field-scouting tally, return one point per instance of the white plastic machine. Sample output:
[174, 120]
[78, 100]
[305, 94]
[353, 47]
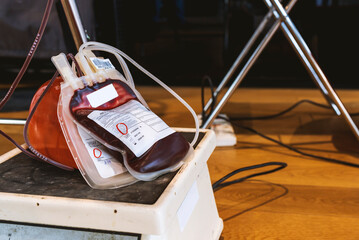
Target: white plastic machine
[39, 201]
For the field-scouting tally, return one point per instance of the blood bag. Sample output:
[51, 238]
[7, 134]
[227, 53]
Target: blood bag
[112, 136]
[47, 140]
[101, 167]
[102, 114]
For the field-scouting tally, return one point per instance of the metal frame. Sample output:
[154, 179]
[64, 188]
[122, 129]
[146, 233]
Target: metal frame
[283, 21]
[74, 21]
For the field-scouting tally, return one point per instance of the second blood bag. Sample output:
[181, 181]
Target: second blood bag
[107, 118]
[101, 167]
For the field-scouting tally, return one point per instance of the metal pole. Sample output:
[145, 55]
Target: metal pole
[240, 58]
[307, 58]
[303, 51]
[74, 21]
[11, 121]
[245, 69]
[244, 52]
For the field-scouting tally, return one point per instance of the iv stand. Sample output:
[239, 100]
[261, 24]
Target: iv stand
[283, 21]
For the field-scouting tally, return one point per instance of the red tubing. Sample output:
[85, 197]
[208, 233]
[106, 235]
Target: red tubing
[31, 53]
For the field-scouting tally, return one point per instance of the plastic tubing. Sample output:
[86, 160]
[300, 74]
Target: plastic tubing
[31, 53]
[127, 74]
[119, 54]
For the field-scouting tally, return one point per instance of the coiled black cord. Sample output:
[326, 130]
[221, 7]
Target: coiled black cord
[219, 184]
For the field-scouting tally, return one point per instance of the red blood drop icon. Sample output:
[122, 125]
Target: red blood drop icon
[122, 128]
[97, 152]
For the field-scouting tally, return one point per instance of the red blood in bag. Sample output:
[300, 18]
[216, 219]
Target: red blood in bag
[44, 130]
[164, 153]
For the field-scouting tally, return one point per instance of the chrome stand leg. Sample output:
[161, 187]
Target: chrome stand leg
[207, 123]
[240, 58]
[11, 121]
[302, 50]
[308, 60]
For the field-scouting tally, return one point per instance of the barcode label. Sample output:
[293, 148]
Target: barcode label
[102, 63]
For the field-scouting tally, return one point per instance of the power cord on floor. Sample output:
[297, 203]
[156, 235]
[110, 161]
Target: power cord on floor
[265, 117]
[220, 183]
[332, 160]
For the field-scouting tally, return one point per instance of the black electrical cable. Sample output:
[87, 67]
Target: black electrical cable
[332, 160]
[282, 112]
[232, 120]
[213, 97]
[264, 117]
[220, 183]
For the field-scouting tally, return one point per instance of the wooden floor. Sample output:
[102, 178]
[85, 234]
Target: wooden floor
[310, 199]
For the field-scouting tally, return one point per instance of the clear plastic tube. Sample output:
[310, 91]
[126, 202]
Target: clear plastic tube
[95, 46]
[127, 74]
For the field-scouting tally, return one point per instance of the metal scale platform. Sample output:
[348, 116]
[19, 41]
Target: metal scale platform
[39, 201]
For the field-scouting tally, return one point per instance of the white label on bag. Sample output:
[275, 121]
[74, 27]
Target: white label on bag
[101, 63]
[101, 96]
[106, 165]
[132, 123]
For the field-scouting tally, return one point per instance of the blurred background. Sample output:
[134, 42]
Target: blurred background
[181, 41]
